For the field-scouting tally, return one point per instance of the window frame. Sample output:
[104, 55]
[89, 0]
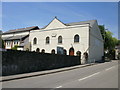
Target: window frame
[76, 38]
[35, 41]
[60, 39]
[47, 40]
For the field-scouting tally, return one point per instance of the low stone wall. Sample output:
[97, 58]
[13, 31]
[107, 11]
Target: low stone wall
[17, 62]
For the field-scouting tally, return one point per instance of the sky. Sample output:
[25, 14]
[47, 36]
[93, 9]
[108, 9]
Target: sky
[26, 14]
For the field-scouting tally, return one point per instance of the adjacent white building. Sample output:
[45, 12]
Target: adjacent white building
[71, 37]
[19, 37]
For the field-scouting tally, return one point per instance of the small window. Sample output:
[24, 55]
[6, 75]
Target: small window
[76, 38]
[17, 42]
[7, 43]
[43, 51]
[47, 40]
[60, 39]
[37, 50]
[53, 51]
[35, 41]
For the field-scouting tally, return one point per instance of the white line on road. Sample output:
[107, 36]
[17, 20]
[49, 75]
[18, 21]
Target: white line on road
[88, 76]
[59, 87]
[109, 68]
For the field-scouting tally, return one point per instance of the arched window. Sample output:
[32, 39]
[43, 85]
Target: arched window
[76, 38]
[60, 39]
[47, 40]
[35, 41]
[37, 50]
[53, 51]
[43, 51]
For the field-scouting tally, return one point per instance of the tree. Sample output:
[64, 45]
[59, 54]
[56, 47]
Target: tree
[109, 42]
[118, 43]
[102, 29]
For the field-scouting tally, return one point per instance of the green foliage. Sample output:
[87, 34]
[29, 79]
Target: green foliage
[109, 41]
[118, 43]
[15, 47]
[102, 29]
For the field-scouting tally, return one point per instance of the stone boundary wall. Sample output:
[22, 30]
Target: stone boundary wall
[18, 62]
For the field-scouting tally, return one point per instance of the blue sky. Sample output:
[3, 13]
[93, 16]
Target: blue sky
[25, 14]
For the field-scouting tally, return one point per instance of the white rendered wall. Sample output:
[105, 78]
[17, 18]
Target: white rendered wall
[67, 33]
[90, 38]
[8, 44]
[16, 42]
[96, 50]
[12, 42]
[55, 24]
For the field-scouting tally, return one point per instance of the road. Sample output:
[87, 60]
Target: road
[103, 75]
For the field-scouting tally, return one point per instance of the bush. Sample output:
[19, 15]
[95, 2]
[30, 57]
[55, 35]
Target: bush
[15, 47]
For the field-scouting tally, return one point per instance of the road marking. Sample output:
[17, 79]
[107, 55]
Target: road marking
[89, 76]
[109, 68]
[59, 87]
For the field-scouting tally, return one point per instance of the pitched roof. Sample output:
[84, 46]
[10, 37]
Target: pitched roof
[26, 41]
[18, 37]
[91, 22]
[22, 29]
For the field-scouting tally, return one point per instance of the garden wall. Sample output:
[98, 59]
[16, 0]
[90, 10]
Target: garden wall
[17, 62]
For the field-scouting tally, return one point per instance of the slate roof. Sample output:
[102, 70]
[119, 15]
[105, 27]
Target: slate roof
[18, 37]
[26, 41]
[91, 22]
[22, 29]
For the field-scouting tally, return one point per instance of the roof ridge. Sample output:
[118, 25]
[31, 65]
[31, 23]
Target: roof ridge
[22, 28]
[82, 21]
[91, 22]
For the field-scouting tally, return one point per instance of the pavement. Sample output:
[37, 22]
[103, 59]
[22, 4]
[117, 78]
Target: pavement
[104, 75]
[39, 73]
